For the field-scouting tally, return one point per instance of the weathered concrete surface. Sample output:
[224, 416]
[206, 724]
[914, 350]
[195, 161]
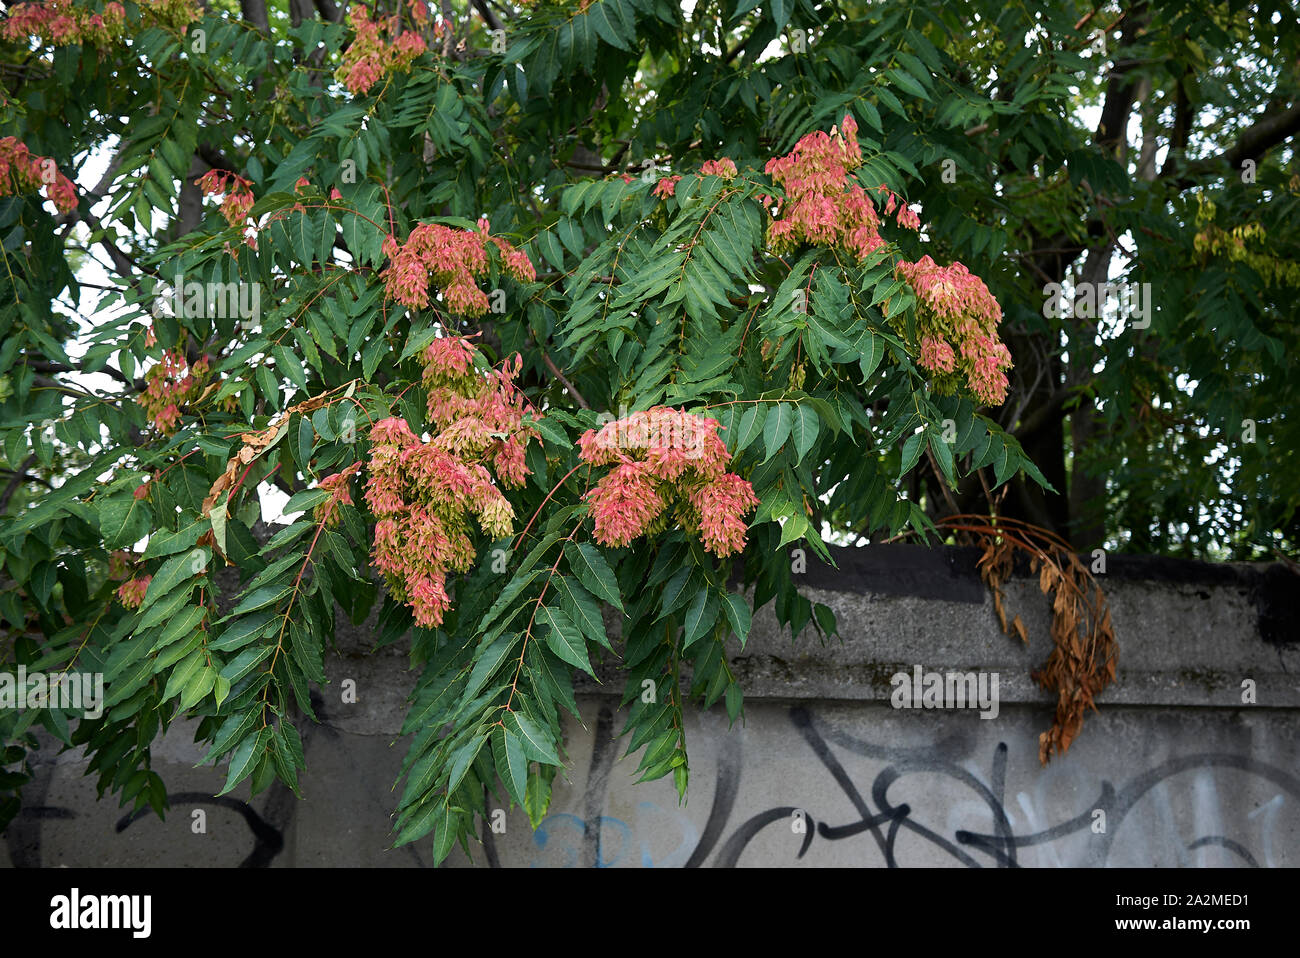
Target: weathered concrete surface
[1175, 770]
[1177, 787]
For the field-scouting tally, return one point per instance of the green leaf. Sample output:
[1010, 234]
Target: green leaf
[306, 440]
[751, 426]
[422, 823]
[512, 763]
[304, 500]
[674, 593]
[218, 518]
[488, 663]
[583, 609]
[598, 16]
[124, 521]
[735, 701]
[739, 615]
[130, 681]
[781, 13]
[289, 366]
[589, 565]
[266, 595]
[907, 83]
[181, 626]
[242, 631]
[245, 662]
[220, 689]
[536, 743]
[804, 429]
[173, 572]
[446, 827]
[551, 432]
[792, 529]
[777, 429]
[461, 760]
[700, 616]
[245, 758]
[198, 687]
[268, 385]
[1004, 463]
[164, 543]
[518, 582]
[912, 452]
[942, 453]
[537, 797]
[564, 638]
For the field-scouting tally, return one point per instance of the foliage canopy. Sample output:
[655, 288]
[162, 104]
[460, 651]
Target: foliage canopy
[538, 314]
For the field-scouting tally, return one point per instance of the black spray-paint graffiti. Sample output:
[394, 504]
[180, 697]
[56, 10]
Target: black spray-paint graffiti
[600, 840]
[884, 820]
[1002, 844]
[267, 827]
[268, 841]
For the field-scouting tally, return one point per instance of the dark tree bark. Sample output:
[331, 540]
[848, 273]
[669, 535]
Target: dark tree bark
[254, 11]
[189, 207]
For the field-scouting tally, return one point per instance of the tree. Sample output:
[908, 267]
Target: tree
[538, 312]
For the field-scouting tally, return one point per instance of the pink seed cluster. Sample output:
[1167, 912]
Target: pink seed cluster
[235, 191]
[666, 461]
[724, 168]
[378, 47]
[22, 171]
[666, 187]
[424, 493]
[60, 23]
[131, 593]
[958, 314]
[453, 259]
[823, 207]
[338, 485]
[419, 11]
[170, 384]
[958, 319]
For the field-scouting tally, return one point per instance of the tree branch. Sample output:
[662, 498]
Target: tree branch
[555, 371]
[15, 482]
[48, 366]
[489, 17]
[210, 155]
[125, 265]
[254, 11]
[1253, 143]
[330, 10]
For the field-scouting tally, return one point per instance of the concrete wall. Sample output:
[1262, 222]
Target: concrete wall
[1175, 769]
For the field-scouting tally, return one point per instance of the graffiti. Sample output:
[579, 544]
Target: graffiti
[885, 820]
[567, 840]
[24, 838]
[268, 841]
[1001, 843]
[800, 786]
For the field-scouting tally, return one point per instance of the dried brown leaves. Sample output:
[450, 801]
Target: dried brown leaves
[1084, 651]
[254, 445]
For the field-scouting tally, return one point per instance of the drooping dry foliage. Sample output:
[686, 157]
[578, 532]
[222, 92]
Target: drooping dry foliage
[1084, 650]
